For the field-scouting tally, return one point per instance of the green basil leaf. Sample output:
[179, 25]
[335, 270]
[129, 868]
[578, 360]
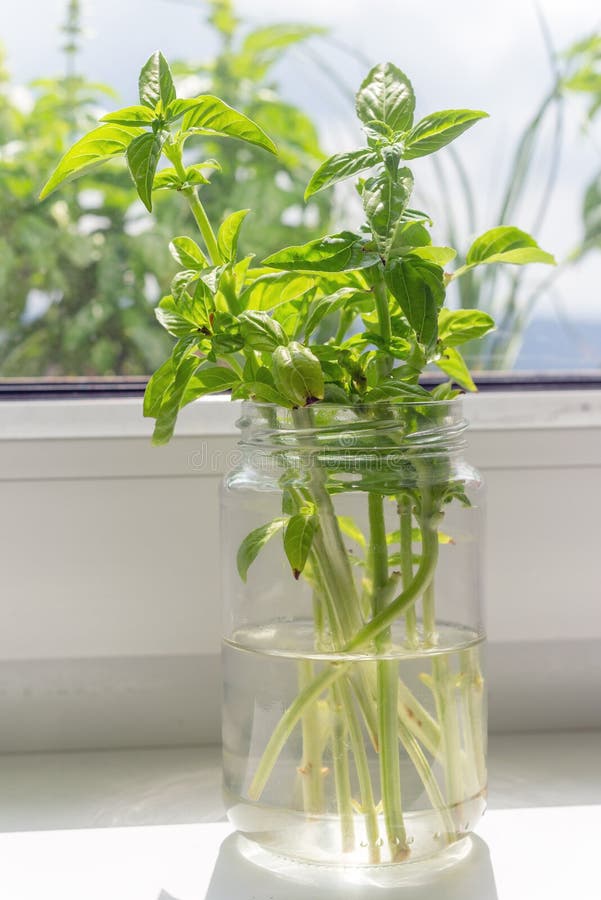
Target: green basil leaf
[453, 364]
[339, 167]
[384, 201]
[297, 374]
[185, 346]
[324, 306]
[143, 155]
[456, 326]
[172, 398]
[91, 151]
[418, 287]
[263, 392]
[212, 277]
[298, 539]
[456, 491]
[343, 252]
[261, 332]
[187, 253]
[156, 83]
[167, 180]
[444, 391]
[505, 244]
[268, 291]
[398, 390]
[133, 116]
[439, 255]
[386, 95]
[210, 115]
[408, 237]
[209, 380]
[254, 542]
[156, 388]
[229, 231]
[225, 343]
[174, 322]
[439, 129]
[182, 281]
[186, 313]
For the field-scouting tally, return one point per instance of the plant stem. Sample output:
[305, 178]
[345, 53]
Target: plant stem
[424, 770]
[414, 727]
[443, 683]
[383, 310]
[378, 554]
[360, 756]
[286, 725]
[335, 558]
[390, 769]
[423, 576]
[311, 764]
[473, 687]
[333, 671]
[342, 775]
[343, 699]
[406, 549]
[446, 704]
[429, 616]
[174, 152]
[202, 220]
[387, 691]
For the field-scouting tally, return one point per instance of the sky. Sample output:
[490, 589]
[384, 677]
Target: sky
[466, 53]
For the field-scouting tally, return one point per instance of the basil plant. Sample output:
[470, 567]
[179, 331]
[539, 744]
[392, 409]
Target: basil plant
[350, 319]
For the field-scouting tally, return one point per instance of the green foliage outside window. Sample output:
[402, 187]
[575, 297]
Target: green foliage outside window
[78, 278]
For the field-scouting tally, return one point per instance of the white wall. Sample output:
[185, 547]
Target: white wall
[110, 581]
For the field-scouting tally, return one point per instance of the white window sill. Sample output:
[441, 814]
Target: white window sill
[122, 417]
[545, 804]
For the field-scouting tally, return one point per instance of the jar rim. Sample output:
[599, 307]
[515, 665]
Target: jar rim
[328, 428]
[452, 402]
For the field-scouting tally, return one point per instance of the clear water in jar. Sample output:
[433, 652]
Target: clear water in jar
[320, 799]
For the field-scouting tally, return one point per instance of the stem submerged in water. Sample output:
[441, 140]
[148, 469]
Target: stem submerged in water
[311, 763]
[342, 774]
[387, 691]
[333, 671]
[368, 806]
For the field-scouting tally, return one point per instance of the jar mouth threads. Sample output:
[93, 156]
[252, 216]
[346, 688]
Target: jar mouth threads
[381, 431]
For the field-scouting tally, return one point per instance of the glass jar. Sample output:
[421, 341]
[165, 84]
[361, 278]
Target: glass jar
[354, 720]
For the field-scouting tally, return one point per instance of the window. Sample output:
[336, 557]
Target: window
[81, 272]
